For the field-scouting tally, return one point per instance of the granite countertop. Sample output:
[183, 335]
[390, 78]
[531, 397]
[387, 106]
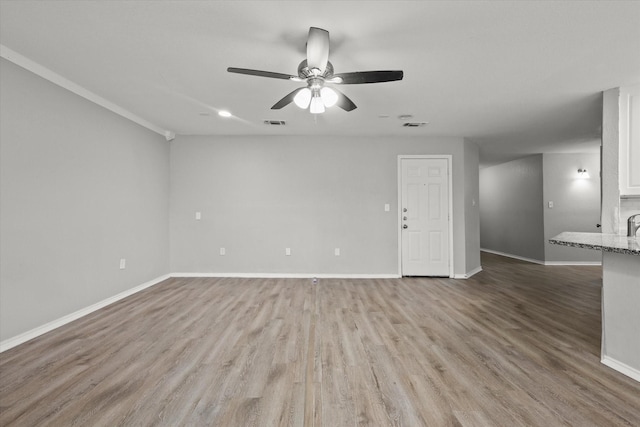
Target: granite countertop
[606, 242]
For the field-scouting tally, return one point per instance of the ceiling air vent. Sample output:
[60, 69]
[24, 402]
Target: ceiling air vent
[414, 124]
[274, 122]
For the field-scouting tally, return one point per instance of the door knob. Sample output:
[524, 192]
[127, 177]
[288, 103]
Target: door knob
[405, 226]
[404, 218]
[404, 210]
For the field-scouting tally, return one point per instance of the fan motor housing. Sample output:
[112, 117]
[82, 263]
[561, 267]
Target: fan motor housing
[304, 72]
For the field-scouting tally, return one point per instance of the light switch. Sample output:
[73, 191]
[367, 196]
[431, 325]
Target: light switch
[287, 251]
[223, 251]
[123, 263]
[336, 251]
[550, 205]
[387, 207]
[198, 216]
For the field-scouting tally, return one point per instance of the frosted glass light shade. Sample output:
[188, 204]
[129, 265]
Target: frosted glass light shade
[303, 98]
[329, 96]
[317, 106]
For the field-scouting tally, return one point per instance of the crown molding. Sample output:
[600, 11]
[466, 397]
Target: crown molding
[47, 74]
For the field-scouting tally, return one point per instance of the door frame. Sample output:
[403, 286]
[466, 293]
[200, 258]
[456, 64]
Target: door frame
[449, 159]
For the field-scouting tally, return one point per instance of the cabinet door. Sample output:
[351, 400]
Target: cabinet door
[630, 141]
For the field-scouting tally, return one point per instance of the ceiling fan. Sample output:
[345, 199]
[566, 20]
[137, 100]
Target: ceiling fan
[317, 71]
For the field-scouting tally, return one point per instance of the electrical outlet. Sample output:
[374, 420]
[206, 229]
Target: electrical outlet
[223, 251]
[336, 251]
[123, 263]
[198, 216]
[387, 207]
[287, 251]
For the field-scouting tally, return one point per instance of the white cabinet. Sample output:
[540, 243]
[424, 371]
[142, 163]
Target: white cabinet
[629, 162]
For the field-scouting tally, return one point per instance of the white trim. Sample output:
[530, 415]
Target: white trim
[468, 274]
[288, 275]
[623, 368]
[573, 263]
[449, 158]
[535, 261]
[47, 327]
[474, 271]
[47, 74]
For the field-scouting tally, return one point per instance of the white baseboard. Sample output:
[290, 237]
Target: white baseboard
[621, 367]
[47, 327]
[289, 275]
[573, 263]
[468, 274]
[535, 261]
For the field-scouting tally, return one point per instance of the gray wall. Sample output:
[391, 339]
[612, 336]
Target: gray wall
[576, 203]
[472, 210]
[80, 188]
[260, 195]
[515, 217]
[511, 214]
[621, 293]
[610, 157]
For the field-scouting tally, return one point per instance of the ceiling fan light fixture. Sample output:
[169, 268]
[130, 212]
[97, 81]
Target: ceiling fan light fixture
[317, 106]
[329, 96]
[303, 98]
[316, 70]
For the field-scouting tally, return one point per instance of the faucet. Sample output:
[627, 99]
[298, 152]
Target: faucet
[632, 227]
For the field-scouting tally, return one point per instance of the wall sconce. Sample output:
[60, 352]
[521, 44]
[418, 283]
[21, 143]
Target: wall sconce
[582, 173]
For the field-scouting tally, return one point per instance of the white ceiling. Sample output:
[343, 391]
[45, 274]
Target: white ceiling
[516, 77]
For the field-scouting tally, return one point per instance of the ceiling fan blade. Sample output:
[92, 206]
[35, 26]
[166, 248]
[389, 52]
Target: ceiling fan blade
[360, 77]
[262, 73]
[288, 99]
[318, 49]
[344, 102]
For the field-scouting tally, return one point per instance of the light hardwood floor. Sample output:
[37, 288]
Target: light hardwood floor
[517, 344]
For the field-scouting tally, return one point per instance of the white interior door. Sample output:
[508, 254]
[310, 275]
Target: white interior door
[424, 214]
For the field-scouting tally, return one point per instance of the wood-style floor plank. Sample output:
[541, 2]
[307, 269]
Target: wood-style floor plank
[516, 345]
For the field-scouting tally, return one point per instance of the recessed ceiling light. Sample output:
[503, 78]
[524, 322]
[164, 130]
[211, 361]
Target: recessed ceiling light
[224, 113]
[405, 117]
